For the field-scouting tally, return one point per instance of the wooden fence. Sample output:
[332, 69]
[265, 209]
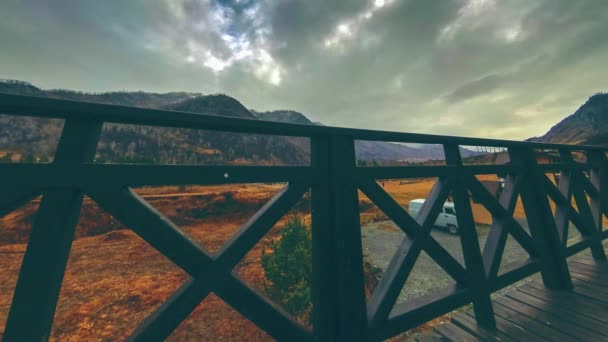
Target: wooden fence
[340, 310]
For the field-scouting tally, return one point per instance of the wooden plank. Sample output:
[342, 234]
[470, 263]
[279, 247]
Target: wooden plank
[412, 313]
[481, 289]
[529, 312]
[534, 328]
[390, 285]
[259, 224]
[468, 323]
[513, 330]
[324, 291]
[14, 198]
[591, 294]
[502, 213]
[547, 318]
[152, 226]
[402, 172]
[588, 228]
[568, 300]
[601, 292]
[90, 175]
[589, 187]
[591, 261]
[166, 318]
[596, 270]
[585, 291]
[431, 336]
[595, 277]
[162, 234]
[591, 284]
[577, 247]
[598, 267]
[599, 182]
[171, 313]
[348, 257]
[588, 277]
[565, 212]
[502, 209]
[387, 291]
[516, 271]
[258, 310]
[555, 309]
[540, 220]
[35, 298]
[561, 196]
[453, 332]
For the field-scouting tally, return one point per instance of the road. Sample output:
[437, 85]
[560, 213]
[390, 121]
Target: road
[381, 240]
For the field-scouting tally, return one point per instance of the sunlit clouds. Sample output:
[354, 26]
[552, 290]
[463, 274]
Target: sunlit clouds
[218, 37]
[490, 17]
[347, 30]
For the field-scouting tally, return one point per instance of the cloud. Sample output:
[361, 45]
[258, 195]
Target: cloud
[404, 65]
[477, 87]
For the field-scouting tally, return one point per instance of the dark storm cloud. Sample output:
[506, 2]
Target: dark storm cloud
[471, 67]
[476, 87]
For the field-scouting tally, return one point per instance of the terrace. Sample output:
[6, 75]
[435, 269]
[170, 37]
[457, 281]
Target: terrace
[568, 294]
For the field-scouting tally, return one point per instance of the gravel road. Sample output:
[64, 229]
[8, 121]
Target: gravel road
[381, 240]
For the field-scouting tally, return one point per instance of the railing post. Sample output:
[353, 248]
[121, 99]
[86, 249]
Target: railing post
[482, 303]
[592, 230]
[599, 175]
[339, 312]
[541, 222]
[35, 298]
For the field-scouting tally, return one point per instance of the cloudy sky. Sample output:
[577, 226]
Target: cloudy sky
[486, 68]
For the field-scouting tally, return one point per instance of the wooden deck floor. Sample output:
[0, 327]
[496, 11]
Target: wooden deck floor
[531, 312]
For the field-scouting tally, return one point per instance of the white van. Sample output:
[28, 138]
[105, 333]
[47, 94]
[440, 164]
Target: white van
[446, 218]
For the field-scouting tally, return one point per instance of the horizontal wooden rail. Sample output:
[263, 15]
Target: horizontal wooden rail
[65, 109]
[340, 310]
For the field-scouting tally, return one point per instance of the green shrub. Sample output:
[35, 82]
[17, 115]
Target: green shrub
[288, 269]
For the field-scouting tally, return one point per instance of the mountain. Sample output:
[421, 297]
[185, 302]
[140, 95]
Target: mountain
[28, 138]
[194, 146]
[123, 98]
[219, 104]
[20, 88]
[368, 150]
[288, 116]
[588, 125]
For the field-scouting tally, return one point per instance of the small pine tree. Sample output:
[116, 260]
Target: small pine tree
[288, 269]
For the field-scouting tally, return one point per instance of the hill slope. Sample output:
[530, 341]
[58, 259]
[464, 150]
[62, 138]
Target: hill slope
[25, 138]
[588, 125]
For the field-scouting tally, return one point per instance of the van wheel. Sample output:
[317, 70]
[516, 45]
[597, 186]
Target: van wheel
[453, 229]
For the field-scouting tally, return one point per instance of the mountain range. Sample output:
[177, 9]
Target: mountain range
[31, 139]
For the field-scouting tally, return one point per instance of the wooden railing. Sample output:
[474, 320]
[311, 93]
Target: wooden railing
[340, 310]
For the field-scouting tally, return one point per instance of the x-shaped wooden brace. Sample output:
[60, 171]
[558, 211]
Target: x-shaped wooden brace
[209, 273]
[15, 198]
[572, 183]
[418, 238]
[503, 223]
